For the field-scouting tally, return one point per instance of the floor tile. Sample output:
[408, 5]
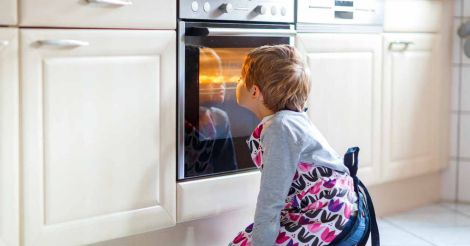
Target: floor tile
[391, 235]
[429, 217]
[444, 236]
[463, 208]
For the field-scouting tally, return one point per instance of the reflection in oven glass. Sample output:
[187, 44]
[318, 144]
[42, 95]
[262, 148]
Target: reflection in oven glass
[217, 128]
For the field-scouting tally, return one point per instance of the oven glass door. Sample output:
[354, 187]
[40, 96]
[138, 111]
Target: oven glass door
[213, 128]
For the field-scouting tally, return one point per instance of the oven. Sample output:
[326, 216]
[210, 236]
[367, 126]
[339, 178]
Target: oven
[212, 128]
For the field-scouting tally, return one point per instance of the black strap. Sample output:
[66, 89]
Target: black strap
[351, 160]
[374, 229]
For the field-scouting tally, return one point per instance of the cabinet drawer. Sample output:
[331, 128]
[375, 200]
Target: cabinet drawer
[412, 15]
[8, 12]
[148, 14]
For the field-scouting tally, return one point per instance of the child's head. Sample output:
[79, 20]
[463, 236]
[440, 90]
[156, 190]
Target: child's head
[274, 77]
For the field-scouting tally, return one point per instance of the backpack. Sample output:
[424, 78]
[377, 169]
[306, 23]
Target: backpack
[358, 228]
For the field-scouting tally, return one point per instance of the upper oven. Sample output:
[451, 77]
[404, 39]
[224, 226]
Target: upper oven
[212, 128]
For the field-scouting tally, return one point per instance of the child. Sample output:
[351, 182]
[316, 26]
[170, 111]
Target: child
[306, 194]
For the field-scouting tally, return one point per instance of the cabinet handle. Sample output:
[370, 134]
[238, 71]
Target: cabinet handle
[111, 2]
[63, 43]
[365, 10]
[403, 44]
[3, 43]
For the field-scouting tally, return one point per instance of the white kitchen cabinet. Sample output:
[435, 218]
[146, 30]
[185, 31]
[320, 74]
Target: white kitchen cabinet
[145, 14]
[410, 106]
[345, 94]
[9, 159]
[413, 15]
[98, 134]
[8, 12]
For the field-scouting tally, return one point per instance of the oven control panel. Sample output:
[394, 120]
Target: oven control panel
[238, 10]
[355, 12]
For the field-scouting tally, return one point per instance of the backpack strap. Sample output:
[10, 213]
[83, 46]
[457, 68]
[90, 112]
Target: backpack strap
[352, 163]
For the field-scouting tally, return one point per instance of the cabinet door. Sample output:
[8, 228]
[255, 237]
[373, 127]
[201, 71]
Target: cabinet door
[149, 14]
[411, 105]
[413, 15]
[345, 94]
[8, 12]
[98, 140]
[9, 165]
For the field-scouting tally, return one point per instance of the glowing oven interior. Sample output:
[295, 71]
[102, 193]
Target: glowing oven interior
[216, 128]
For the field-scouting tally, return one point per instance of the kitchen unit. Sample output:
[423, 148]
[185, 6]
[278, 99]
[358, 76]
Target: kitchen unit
[213, 157]
[94, 111]
[88, 145]
[417, 51]
[411, 103]
[8, 12]
[88, 115]
[9, 130]
[123, 14]
[381, 88]
[342, 45]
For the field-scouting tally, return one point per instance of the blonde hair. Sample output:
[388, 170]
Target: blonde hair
[281, 75]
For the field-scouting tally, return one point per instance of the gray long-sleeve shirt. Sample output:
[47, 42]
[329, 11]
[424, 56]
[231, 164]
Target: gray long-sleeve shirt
[288, 137]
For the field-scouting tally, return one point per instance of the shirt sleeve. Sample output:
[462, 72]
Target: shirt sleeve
[280, 158]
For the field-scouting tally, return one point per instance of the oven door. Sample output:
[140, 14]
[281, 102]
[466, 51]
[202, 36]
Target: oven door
[212, 128]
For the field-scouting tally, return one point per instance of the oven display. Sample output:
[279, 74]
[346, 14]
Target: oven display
[344, 15]
[344, 3]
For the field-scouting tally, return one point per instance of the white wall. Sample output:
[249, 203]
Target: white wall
[456, 183]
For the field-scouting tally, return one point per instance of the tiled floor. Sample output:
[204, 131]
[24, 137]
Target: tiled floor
[442, 224]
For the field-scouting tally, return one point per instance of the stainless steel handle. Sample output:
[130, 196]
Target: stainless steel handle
[403, 44]
[111, 2]
[365, 10]
[4, 43]
[209, 31]
[63, 43]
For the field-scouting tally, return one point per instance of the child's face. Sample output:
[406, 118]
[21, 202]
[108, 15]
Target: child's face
[241, 92]
[247, 98]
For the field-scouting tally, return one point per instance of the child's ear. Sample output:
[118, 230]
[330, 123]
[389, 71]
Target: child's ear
[256, 93]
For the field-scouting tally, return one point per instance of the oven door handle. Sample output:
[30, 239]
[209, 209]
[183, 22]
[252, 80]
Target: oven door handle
[210, 31]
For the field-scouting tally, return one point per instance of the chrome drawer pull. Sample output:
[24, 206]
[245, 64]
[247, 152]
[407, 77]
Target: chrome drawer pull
[111, 2]
[403, 44]
[63, 43]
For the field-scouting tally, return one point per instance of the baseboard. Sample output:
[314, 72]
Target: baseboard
[394, 197]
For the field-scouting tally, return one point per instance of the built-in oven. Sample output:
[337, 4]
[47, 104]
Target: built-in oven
[212, 44]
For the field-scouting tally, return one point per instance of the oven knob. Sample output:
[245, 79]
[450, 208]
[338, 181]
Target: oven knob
[260, 9]
[207, 7]
[283, 11]
[194, 6]
[273, 10]
[226, 7]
